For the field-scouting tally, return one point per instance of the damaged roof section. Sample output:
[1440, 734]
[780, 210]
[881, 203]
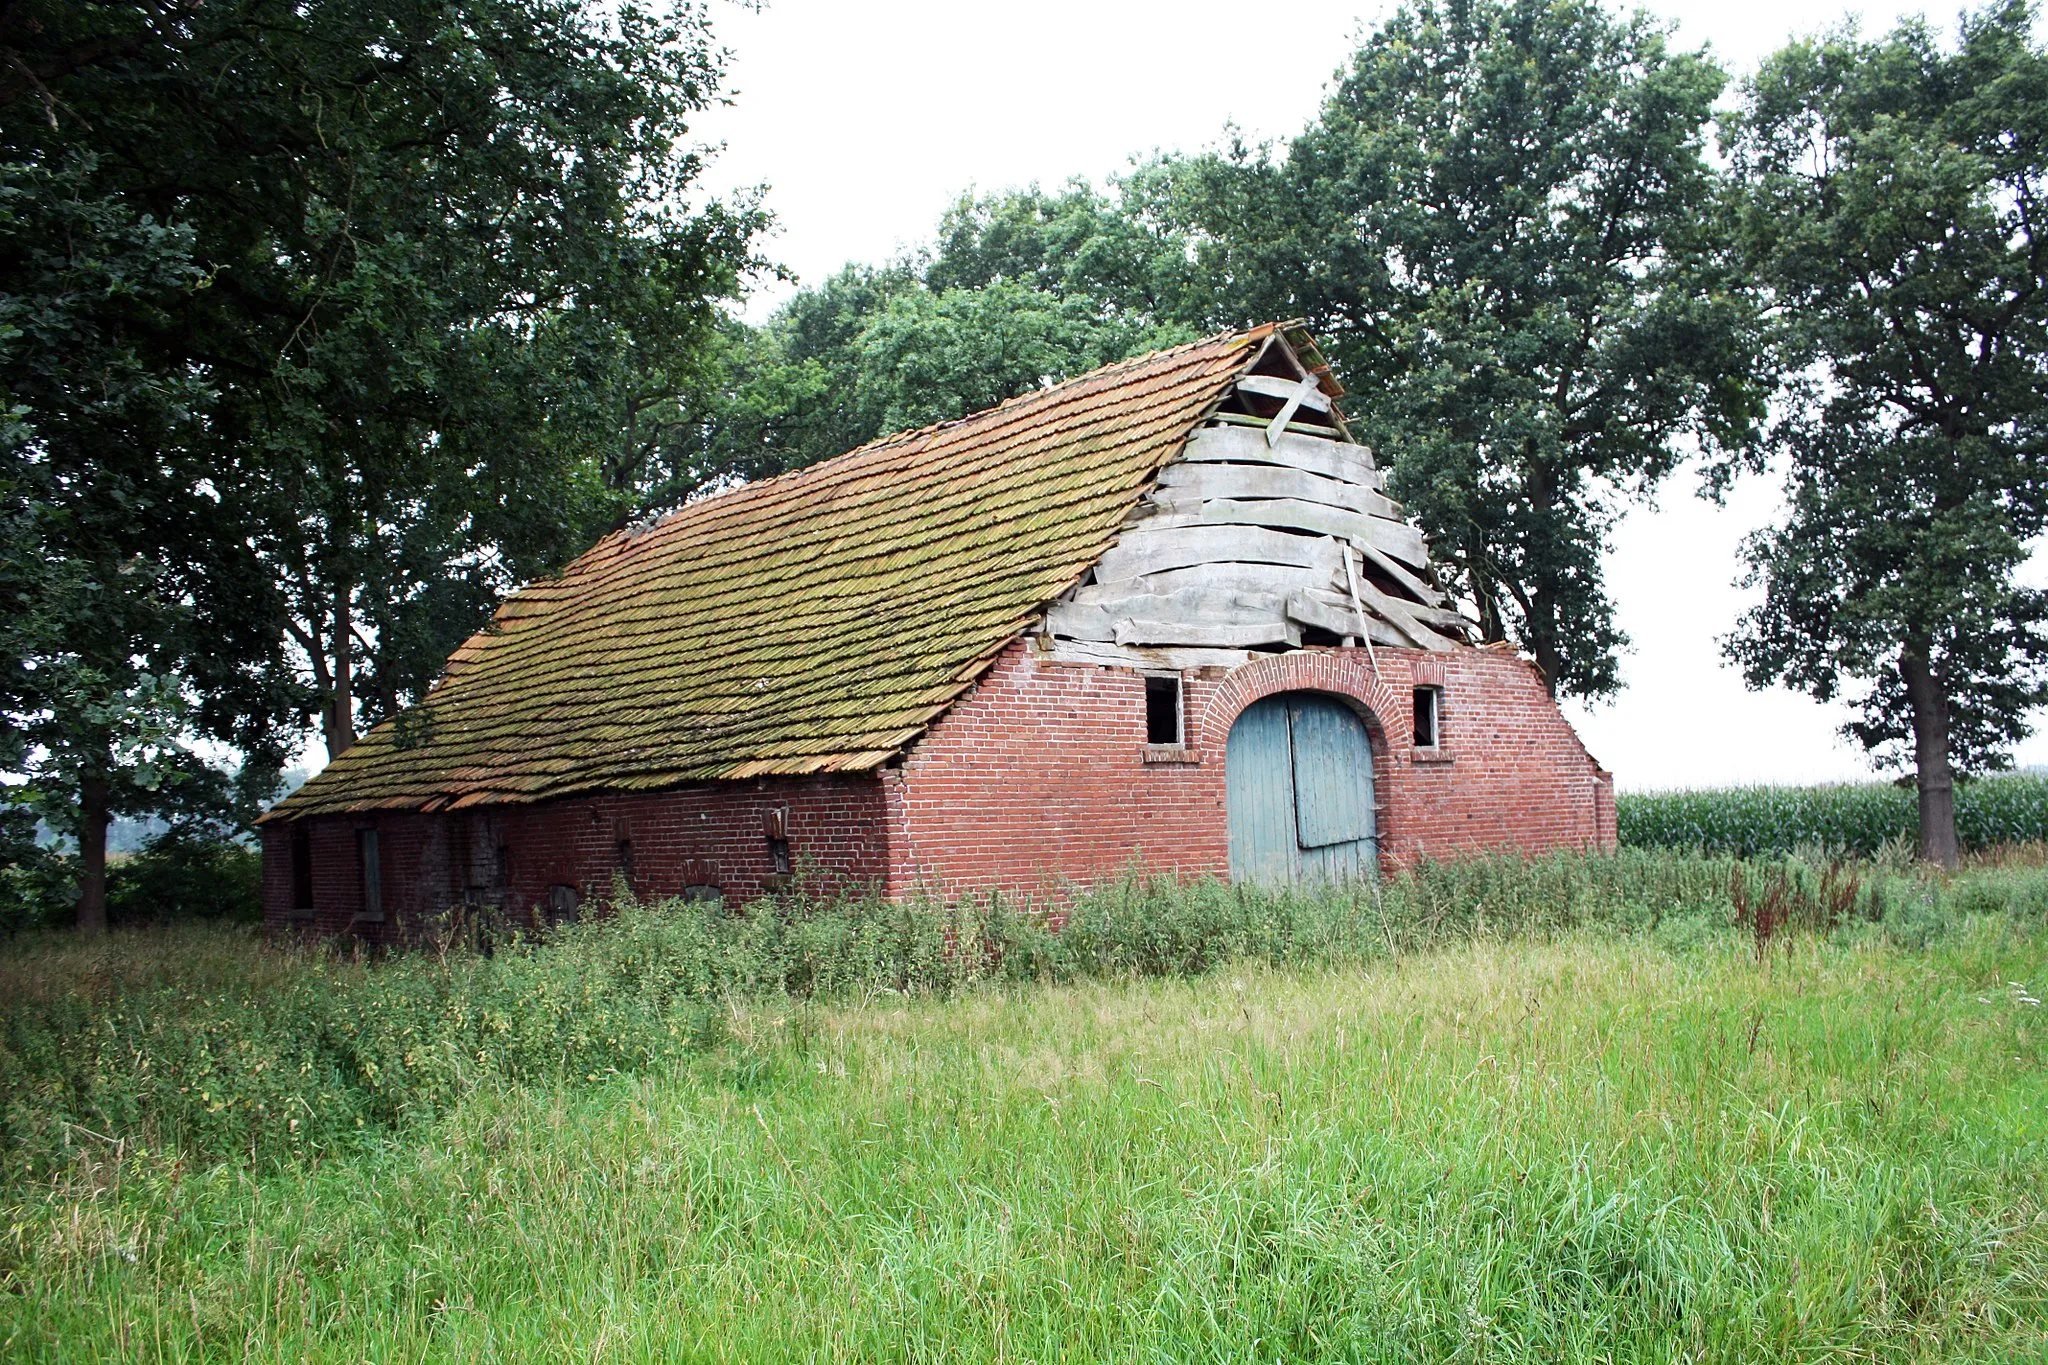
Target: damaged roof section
[1270, 531]
[816, 622]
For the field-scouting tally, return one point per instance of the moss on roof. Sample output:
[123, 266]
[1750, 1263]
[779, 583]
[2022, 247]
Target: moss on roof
[816, 622]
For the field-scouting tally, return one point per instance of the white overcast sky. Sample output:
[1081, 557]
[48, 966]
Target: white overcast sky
[863, 119]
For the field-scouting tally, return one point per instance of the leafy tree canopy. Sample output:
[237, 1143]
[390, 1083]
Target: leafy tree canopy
[1894, 210]
[1504, 226]
[378, 309]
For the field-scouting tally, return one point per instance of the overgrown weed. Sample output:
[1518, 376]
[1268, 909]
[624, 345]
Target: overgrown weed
[215, 1043]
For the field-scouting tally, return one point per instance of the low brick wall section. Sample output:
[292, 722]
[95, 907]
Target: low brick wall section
[513, 857]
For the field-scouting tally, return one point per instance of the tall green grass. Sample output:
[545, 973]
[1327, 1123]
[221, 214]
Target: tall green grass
[220, 1046]
[1575, 1147]
[1851, 819]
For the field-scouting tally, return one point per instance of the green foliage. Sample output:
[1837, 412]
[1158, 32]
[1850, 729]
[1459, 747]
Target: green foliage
[874, 352]
[435, 317]
[38, 885]
[1114, 250]
[1856, 820]
[1893, 192]
[1504, 228]
[128, 634]
[187, 875]
[1577, 1149]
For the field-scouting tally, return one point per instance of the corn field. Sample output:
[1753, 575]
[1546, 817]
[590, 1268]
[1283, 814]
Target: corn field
[1751, 822]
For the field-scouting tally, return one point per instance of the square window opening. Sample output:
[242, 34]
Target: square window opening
[1428, 717]
[1163, 709]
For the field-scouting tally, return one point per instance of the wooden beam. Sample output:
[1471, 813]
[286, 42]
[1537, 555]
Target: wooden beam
[1198, 602]
[1146, 550]
[1133, 656]
[1259, 618]
[1180, 632]
[1249, 579]
[1393, 537]
[1423, 592]
[1323, 455]
[1302, 393]
[1208, 480]
[1318, 610]
[1405, 616]
[1270, 386]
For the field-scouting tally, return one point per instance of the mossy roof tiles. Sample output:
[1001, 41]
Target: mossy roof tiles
[816, 622]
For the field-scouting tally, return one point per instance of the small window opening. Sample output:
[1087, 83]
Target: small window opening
[302, 868]
[1426, 727]
[373, 875]
[624, 859]
[565, 905]
[1162, 710]
[703, 893]
[775, 820]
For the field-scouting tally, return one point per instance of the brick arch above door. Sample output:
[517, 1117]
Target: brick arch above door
[1349, 674]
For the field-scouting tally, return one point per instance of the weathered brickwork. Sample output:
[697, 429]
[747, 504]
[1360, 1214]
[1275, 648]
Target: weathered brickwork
[511, 857]
[1039, 780]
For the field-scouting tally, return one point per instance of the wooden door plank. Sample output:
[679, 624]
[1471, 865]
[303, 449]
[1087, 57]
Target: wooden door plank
[1332, 772]
[1259, 796]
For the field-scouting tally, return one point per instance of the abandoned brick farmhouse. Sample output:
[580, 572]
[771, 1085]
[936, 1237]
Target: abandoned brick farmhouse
[1161, 615]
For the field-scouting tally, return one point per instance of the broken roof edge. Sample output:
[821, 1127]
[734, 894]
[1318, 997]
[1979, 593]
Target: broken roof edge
[498, 624]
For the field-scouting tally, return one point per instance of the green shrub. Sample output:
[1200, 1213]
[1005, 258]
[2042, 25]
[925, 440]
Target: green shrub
[176, 876]
[1859, 819]
[186, 876]
[36, 883]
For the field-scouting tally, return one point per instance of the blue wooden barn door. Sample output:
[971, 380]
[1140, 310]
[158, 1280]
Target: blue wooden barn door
[1298, 783]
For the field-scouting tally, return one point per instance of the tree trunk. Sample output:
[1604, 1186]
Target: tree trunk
[1930, 756]
[1485, 595]
[1540, 485]
[92, 854]
[338, 721]
[1544, 647]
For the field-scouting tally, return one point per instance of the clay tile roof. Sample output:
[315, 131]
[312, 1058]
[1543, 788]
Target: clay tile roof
[816, 622]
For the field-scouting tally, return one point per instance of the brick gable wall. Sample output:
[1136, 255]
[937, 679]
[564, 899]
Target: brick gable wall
[1040, 778]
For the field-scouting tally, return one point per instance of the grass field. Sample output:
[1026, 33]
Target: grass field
[1625, 1136]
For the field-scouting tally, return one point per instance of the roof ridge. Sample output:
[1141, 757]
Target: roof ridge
[931, 429]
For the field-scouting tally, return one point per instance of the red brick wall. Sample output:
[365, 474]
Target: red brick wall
[1038, 779]
[710, 833]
